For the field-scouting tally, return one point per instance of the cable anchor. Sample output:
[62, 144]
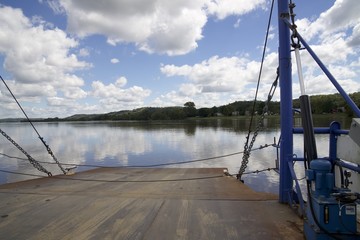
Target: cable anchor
[295, 42]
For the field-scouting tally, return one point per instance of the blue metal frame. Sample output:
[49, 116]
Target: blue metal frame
[334, 131]
[287, 173]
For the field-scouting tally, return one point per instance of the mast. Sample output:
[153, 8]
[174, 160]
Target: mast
[286, 119]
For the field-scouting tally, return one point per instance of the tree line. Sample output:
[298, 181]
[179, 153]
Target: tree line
[321, 104]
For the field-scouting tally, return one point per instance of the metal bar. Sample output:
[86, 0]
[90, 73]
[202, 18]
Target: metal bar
[286, 145]
[299, 69]
[323, 131]
[316, 130]
[298, 189]
[350, 166]
[341, 131]
[333, 141]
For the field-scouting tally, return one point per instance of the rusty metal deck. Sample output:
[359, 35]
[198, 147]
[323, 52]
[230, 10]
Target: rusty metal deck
[158, 203]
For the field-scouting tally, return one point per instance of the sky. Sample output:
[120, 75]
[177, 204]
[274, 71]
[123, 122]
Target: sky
[65, 57]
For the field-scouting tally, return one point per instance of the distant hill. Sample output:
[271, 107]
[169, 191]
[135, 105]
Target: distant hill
[321, 104]
[12, 119]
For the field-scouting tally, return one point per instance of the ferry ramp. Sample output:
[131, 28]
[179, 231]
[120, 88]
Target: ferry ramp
[139, 203]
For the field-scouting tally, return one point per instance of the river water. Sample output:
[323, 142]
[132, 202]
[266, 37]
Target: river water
[135, 143]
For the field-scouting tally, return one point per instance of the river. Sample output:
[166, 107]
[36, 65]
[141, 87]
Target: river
[136, 143]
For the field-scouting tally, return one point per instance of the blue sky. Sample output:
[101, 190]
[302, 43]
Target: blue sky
[62, 57]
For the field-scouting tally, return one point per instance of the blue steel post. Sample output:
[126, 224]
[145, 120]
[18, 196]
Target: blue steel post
[333, 141]
[286, 145]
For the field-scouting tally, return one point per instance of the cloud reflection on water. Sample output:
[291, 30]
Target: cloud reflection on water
[146, 143]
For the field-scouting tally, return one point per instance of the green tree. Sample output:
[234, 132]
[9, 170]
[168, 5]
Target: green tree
[204, 112]
[190, 110]
[189, 104]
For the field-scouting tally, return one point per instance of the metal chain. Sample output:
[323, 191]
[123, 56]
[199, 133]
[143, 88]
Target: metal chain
[35, 163]
[28, 119]
[52, 155]
[294, 27]
[247, 148]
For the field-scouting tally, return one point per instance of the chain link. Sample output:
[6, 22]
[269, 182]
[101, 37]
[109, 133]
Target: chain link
[35, 163]
[52, 155]
[294, 44]
[42, 140]
[247, 148]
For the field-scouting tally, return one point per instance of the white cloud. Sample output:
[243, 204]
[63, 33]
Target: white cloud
[113, 96]
[39, 58]
[334, 37]
[354, 40]
[219, 80]
[34, 54]
[54, 5]
[226, 74]
[189, 90]
[154, 26]
[343, 15]
[60, 102]
[225, 8]
[83, 52]
[171, 27]
[29, 92]
[114, 60]
[170, 99]
[121, 82]
[237, 23]
[74, 93]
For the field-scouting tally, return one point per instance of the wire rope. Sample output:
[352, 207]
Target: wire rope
[149, 165]
[115, 180]
[247, 148]
[32, 125]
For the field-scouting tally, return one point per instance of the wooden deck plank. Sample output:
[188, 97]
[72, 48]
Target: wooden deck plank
[143, 204]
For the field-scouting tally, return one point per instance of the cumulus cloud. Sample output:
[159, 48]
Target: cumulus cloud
[37, 55]
[354, 40]
[121, 82]
[60, 102]
[114, 96]
[154, 26]
[219, 80]
[342, 16]
[223, 8]
[42, 60]
[226, 74]
[170, 27]
[39, 58]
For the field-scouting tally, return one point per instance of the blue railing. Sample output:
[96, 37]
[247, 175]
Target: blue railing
[334, 132]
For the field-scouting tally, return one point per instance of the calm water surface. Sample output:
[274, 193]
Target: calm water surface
[148, 143]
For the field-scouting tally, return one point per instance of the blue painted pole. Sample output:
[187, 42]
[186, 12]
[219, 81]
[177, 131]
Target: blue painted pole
[286, 144]
[333, 141]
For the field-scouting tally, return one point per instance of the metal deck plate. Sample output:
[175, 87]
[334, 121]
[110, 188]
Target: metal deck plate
[165, 203]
